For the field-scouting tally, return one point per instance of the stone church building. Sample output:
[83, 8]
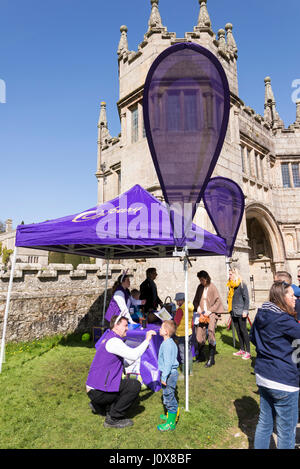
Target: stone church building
[259, 153]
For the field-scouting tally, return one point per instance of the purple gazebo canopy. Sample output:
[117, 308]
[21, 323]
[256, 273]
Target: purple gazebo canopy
[133, 225]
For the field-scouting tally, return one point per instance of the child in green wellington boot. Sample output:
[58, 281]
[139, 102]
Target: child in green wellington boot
[168, 364]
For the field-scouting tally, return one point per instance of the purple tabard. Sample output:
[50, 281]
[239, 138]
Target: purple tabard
[106, 369]
[113, 308]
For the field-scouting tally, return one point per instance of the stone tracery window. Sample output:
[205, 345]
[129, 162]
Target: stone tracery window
[286, 181]
[296, 174]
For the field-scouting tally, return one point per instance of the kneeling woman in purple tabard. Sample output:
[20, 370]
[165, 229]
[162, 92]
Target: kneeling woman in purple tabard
[105, 386]
[121, 299]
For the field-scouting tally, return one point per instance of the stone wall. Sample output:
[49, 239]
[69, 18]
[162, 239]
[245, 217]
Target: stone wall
[59, 300]
[53, 300]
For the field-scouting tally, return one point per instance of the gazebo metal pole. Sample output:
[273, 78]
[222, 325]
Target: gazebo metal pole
[105, 293]
[7, 307]
[186, 319]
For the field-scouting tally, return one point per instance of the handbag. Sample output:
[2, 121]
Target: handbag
[169, 306]
[203, 319]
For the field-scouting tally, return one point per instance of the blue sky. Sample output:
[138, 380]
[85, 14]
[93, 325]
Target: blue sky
[58, 59]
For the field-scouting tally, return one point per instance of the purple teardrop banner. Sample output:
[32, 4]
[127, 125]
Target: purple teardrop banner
[225, 203]
[186, 107]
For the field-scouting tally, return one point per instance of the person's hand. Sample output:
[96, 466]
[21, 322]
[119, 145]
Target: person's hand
[163, 383]
[207, 313]
[245, 314]
[143, 302]
[149, 335]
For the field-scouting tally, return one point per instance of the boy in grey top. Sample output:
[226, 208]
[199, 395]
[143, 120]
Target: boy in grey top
[168, 364]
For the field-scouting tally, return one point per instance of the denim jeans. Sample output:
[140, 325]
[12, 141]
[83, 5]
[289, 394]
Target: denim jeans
[169, 398]
[181, 348]
[279, 406]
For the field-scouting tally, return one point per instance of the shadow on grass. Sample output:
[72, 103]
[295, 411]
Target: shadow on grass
[247, 411]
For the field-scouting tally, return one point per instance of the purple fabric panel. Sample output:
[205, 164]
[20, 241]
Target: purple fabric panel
[106, 369]
[186, 108]
[149, 361]
[224, 202]
[112, 309]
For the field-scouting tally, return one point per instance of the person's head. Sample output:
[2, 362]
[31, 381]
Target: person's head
[120, 327]
[234, 274]
[151, 273]
[204, 278]
[168, 328]
[135, 294]
[283, 276]
[282, 295]
[179, 298]
[123, 281]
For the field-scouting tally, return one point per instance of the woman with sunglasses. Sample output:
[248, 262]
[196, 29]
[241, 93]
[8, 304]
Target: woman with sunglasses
[273, 333]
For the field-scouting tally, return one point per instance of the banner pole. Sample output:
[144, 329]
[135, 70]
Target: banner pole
[186, 319]
[7, 307]
[105, 293]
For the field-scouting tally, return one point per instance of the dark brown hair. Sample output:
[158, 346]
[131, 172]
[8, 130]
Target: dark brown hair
[150, 271]
[277, 295]
[204, 274]
[118, 282]
[112, 322]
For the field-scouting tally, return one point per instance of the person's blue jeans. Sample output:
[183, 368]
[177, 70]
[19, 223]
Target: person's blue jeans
[169, 398]
[181, 349]
[279, 406]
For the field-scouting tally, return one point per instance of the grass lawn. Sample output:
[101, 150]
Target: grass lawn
[44, 404]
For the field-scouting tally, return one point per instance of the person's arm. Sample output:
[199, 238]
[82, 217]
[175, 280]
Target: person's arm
[178, 316]
[119, 298]
[135, 302]
[169, 357]
[118, 347]
[245, 296]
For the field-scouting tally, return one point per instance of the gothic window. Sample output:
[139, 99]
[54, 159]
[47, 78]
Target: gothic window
[249, 159]
[256, 165]
[173, 111]
[242, 159]
[181, 111]
[261, 167]
[119, 180]
[134, 125]
[190, 111]
[296, 175]
[286, 182]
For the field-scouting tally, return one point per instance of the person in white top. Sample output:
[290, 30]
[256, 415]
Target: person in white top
[122, 299]
[104, 385]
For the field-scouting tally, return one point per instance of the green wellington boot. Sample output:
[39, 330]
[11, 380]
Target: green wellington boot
[165, 417]
[170, 423]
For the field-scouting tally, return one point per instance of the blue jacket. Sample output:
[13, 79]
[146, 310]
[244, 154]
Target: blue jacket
[167, 358]
[273, 332]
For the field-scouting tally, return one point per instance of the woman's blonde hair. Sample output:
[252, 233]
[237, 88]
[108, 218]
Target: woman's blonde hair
[170, 326]
[236, 273]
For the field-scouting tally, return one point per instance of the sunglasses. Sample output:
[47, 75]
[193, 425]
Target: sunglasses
[278, 282]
